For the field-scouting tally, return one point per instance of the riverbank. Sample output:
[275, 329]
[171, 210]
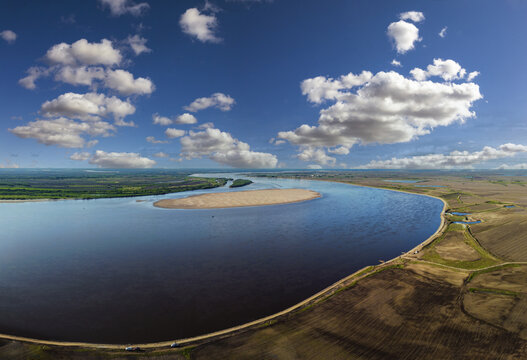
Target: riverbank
[239, 199]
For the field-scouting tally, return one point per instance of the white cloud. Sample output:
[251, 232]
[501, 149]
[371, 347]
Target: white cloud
[404, 35]
[206, 125]
[455, 159]
[387, 109]
[314, 167]
[33, 74]
[89, 64]
[199, 25]
[80, 156]
[186, 118]
[172, 133]
[8, 36]
[153, 140]
[161, 120]
[83, 52]
[138, 44]
[447, 69]
[320, 88]
[217, 100]
[88, 107]
[63, 132]
[9, 165]
[121, 7]
[471, 76]
[161, 155]
[415, 16]
[342, 150]
[522, 166]
[124, 83]
[223, 148]
[396, 63]
[82, 75]
[442, 33]
[311, 154]
[116, 160]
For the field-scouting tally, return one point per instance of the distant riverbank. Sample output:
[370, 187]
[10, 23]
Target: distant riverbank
[239, 199]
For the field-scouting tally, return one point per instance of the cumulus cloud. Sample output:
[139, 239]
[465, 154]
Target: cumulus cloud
[124, 83]
[161, 155]
[320, 88]
[404, 35]
[90, 64]
[341, 150]
[206, 125]
[153, 140]
[63, 132]
[121, 7]
[115, 160]
[138, 44]
[33, 74]
[217, 100]
[80, 156]
[89, 106]
[186, 118]
[221, 147]
[415, 16]
[82, 75]
[199, 25]
[396, 63]
[83, 52]
[386, 109]
[447, 69]
[471, 76]
[442, 33]
[161, 120]
[455, 159]
[317, 155]
[9, 36]
[172, 133]
[314, 167]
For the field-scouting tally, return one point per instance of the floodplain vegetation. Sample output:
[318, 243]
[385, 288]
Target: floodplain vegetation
[463, 295]
[90, 184]
[240, 182]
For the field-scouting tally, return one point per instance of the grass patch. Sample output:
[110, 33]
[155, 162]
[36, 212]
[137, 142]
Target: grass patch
[486, 259]
[495, 268]
[494, 291]
[187, 352]
[456, 217]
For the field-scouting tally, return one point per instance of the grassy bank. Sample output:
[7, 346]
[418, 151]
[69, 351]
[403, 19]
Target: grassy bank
[82, 184]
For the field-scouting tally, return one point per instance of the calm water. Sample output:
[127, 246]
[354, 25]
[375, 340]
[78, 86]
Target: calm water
[117, 270]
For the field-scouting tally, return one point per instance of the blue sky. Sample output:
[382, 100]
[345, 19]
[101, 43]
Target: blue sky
[287, 79]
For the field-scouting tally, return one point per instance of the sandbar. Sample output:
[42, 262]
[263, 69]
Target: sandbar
[239, 199]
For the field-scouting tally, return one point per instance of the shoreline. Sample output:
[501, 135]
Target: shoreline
[328, 291]
[245, 198]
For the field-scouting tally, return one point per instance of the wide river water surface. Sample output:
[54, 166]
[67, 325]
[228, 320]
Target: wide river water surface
[123, 271]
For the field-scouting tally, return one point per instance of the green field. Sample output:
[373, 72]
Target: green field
[85, 184]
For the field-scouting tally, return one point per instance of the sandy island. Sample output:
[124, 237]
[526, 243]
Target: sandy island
[239, 199]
